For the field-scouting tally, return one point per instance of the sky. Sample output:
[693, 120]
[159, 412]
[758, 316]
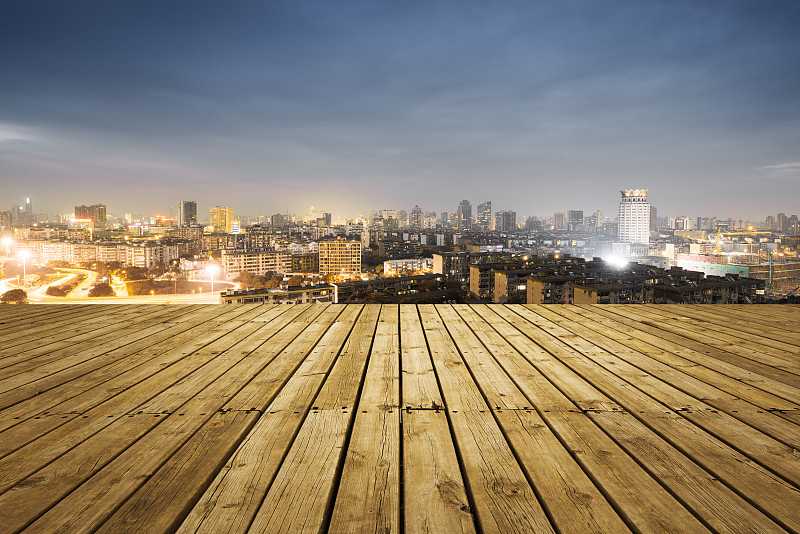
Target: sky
[350, 106]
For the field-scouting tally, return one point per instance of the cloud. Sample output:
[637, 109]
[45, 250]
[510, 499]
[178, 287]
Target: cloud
[783, 168]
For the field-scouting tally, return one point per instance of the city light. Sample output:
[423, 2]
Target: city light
[212, 271]
[617, 262]
[7, 243]
[24, 256]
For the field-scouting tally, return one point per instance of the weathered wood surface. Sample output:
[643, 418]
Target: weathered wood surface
[370, 418]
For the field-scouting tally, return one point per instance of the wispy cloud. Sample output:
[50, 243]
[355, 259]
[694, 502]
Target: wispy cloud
[783, 168]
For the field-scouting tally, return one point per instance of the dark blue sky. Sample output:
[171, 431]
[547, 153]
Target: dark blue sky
[355, 105]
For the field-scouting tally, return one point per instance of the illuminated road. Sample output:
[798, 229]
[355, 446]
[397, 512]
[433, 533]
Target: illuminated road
[82, 290]
[38, 294]
[6, 284]
[80, 295]
[198, 298]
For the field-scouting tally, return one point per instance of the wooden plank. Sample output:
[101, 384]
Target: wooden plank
[483, 378]
[770, 453]
[111, 397]
[22, 503]
[368, 498]
[52, 447]
[764, 489]
[40, 353]
[751, 346]
[571, 498]
[676, 357]
[69, 398]
[99, 496]
[640, 354]
[763, 377]
[783, 315]
[504, 500]
[41, 382]
[233, 498]
[303, 491]
[25, 316]
[435, 499]
[57, 327]
[420, 389]
[241, 358]
[58, 356]
[727, 352]
[720, 507]
[639, 499]
[30, 327]
[162, 503]
[735, 321]
[317, 334]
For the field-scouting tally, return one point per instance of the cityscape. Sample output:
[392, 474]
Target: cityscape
[472, 254]
[400, 267]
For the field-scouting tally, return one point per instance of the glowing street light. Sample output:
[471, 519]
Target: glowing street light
[7, 242]
[24, 255]
[212, 270]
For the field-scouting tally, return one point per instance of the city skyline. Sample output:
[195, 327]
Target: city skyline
[205, 213]
[285, 105]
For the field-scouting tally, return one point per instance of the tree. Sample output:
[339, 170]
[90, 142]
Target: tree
[102, 290]
[295, 281]
[134, 273]
[55, 291]
[428, 285]
[15, 296]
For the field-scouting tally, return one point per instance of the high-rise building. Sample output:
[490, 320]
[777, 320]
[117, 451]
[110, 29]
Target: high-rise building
[402, 218]
[187, 212]
[16, 214]
[95, 212]
[505, 221]
[339, 257]
[653, 218]
[464, 216]
[484, 220]
[782, 222]
[29, 216]
[769, 224]
[415, 219]
[792, 226]
[559, 220]
[278, 220]
[634, 217]
[221, 219]
[574, 220]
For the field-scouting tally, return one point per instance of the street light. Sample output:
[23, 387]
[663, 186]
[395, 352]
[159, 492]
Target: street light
[24, 255]
[7, 242]
[212, 270]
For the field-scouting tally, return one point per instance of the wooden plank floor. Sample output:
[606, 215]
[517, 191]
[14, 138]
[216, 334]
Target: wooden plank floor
[370, 418]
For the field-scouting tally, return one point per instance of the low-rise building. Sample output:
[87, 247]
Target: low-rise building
[407, 266]
[614, 293]
[235, 262]
[394, 286]
[305, 263]
[293, 295]
[339, 257]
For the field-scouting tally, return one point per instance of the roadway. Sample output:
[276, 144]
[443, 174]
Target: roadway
[80, 295]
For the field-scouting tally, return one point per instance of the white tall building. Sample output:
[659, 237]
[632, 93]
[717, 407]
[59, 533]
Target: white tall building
[634, 217]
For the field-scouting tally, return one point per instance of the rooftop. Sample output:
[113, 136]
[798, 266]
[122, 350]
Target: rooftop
[487, 418]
